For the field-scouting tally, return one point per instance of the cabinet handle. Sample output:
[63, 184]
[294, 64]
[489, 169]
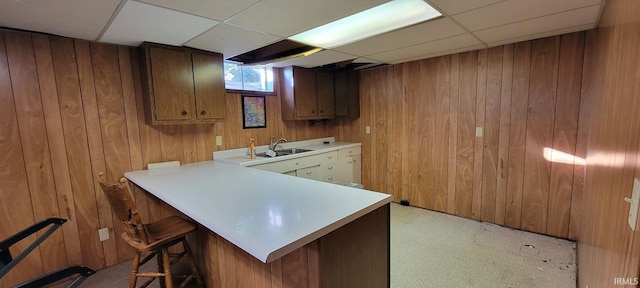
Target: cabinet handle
[329, 157]
[321, 111]
[203, 112]
[184, 113]
[308, 172]
[349, 162]
[297, 163]
[313, 111]
[330, 178]
[350, 151]
[330, 167]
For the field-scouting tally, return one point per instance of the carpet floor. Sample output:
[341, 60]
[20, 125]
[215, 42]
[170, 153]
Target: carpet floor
[431, 249]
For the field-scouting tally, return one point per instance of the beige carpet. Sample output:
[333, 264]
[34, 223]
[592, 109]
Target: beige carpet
[431, 249]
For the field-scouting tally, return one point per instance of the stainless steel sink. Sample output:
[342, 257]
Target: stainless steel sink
[284, 152]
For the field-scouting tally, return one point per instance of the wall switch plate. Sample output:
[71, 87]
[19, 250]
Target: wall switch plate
[633, 209]
[479, 131]
[367, 129]
[103, 234]
[218, 140]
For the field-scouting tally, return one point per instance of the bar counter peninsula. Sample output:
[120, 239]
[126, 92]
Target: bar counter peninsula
[263, 229]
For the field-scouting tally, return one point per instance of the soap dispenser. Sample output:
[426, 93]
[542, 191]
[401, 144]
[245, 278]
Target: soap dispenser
[252, 148]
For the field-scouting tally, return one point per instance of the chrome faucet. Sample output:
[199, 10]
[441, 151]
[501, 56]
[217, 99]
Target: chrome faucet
[275, 142]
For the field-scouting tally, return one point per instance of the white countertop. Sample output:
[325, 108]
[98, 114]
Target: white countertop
[241, 156]
[265, 214]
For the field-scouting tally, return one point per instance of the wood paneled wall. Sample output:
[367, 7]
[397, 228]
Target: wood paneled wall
[423, 145]
[70, 109]
[607, 247]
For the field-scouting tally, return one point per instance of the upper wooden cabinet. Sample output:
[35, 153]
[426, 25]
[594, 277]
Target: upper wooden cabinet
[347, 93]
[325, 90]
[307, 94]
[181, 85]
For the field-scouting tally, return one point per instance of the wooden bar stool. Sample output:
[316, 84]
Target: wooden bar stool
[154, 237]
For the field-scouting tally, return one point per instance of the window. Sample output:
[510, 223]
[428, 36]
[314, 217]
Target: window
[248, 78]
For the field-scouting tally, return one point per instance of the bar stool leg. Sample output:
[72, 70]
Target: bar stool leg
[159, 259]
[135, 263]
[167, 268]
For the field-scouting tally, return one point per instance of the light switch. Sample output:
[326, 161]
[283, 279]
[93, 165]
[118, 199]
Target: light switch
[633, 209]
[103, 234]
[479, 131]
[367, 129]
[219, 140]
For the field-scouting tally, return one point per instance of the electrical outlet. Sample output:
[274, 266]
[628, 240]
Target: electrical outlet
[367, 129]
[219, 140]
[633, 209]
[103, 234]
[479, 132]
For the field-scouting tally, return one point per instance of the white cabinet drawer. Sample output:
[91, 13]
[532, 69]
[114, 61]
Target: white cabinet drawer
[292, 164]
[328, 157]
[328, 168]
[299, 163]
[329, 178]
[349, 152]
[309, 172]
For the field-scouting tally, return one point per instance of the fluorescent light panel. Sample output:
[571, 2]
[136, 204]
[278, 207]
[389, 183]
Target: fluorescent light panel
[377, 20]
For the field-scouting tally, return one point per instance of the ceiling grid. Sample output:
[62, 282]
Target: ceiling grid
[234, 27]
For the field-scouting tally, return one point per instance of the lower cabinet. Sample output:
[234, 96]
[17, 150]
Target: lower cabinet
[349, 166]
[290, 173]
[339, 167]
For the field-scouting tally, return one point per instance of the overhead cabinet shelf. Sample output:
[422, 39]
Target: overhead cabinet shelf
[181, 85]
[307, 94]
[312, 94]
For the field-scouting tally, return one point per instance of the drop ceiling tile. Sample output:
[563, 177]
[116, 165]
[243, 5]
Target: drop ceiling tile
[543, 35]
[511, 11]
[447, 52]
[364, 60]
[318, 59]
[464, 40]
[231, 40]
[416, 34]
[452, 7]
[138, 22]
[71, 18]
[289, 17]
[553, 22]
[219, 10]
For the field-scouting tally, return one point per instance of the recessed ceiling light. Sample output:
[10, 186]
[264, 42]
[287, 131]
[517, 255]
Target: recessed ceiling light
[377, 20]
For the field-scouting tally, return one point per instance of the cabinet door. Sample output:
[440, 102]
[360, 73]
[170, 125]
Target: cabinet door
[350, 169]
[172, 78]
[347, 93]
[345, 170]
[304, 87]
[324, 88]
[356, 168]
[341, 89]
[209, 86]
